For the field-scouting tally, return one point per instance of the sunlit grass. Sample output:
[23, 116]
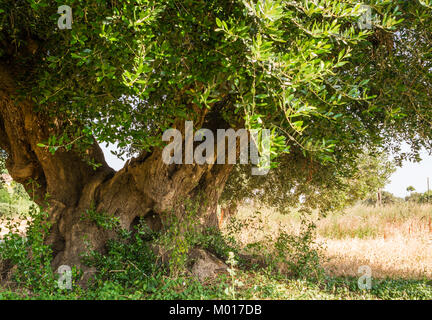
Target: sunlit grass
[395, 241]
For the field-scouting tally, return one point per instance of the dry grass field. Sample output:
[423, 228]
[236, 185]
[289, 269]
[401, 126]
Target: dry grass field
[394, 241]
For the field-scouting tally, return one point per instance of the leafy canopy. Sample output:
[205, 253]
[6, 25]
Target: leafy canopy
[304, 69]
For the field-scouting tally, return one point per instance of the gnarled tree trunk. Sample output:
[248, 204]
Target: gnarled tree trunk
[145, 188]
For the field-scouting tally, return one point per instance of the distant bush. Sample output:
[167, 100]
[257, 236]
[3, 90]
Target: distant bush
[4, 196]
[13, 199]
[419, 197]
[387, 198]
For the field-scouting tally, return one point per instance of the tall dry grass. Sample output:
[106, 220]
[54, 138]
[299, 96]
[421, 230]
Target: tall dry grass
[394, 241]
[407, 220]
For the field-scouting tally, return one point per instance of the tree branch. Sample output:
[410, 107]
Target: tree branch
[62, 175]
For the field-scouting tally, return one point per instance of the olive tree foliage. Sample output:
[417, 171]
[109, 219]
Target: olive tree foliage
[397, 69]
[127, 69]
[298, 183]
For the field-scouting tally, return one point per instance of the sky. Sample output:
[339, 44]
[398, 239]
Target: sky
[410, 174]
[113, 161]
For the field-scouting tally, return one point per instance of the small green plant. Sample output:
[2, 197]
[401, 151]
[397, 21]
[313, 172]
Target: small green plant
[4, 196]
[213, 240]
[103, 220]
[231, 290]
[182, 233]
[129, 259]
[299, 253]
[174, 244]
[30, 255]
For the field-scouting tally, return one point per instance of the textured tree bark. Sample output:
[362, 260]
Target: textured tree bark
[145, 188]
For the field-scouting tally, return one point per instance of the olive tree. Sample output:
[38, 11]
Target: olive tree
[123, 72]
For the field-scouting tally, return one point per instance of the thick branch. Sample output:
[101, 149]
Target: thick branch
[62, 175]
